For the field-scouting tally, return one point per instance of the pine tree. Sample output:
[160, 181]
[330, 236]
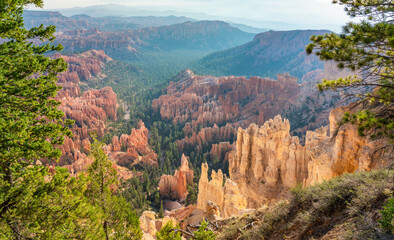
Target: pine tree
[34, 202]
[203, 233]
[366, 47]
[166, 233]
[161, 211]
[117, 219]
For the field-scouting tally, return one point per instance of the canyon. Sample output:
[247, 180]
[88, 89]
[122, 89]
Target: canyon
[213, 108]
[91, 111]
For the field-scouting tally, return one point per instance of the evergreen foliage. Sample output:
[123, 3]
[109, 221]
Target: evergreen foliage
[34, 202]
[117, 219]
[387, 221]
[203, 233]
[165, 233]
[366, 47]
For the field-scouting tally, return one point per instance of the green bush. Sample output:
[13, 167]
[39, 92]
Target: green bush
[203, 233]
[387, 221]
[165, 233]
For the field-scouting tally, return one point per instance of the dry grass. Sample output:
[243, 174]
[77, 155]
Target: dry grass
[347, 207]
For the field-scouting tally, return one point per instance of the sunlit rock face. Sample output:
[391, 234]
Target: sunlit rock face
[225, 196]
[175, 187]
[267, 161]
[212, 108]
[148, 224]
[89, 110]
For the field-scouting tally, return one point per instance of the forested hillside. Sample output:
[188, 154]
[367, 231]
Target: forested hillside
[268, 54]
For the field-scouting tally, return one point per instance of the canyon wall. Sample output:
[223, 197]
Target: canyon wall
[200, 102]
[81, 67]
[91, 111]
[267, 160]
[207, 100]
[75, 156]
[206, 136]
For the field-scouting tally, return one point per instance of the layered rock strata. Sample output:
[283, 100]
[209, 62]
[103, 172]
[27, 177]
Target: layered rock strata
[207, 100]
[90, 111]
[81, 67]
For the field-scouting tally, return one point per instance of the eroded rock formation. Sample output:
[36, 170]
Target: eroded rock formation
[206, 136]
[220, 151]
[81, 67]
[226, 197]
[267, 160]
[175, 187]
[148, 224]
[83, 163]
[207, 100]
[90, 111]
[129, 150]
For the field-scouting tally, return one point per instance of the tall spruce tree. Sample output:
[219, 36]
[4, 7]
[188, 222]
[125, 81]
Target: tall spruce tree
[34, 202]
[117, 218]
[366, 46]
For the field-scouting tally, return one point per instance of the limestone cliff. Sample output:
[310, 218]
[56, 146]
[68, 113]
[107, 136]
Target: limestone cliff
[227, 197]
[267, 161]
[90, 111]
[175, 187]
[76, 157]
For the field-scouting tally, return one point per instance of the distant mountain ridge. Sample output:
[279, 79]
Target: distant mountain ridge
[84, 21]
[268, 54]
[62, 23]
[207, 36]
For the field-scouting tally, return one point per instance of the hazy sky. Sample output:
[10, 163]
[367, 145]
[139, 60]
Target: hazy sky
[313, 13]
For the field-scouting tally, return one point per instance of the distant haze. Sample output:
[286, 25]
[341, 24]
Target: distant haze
[279, 14]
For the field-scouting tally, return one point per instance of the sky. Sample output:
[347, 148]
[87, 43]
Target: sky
[306, 13]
